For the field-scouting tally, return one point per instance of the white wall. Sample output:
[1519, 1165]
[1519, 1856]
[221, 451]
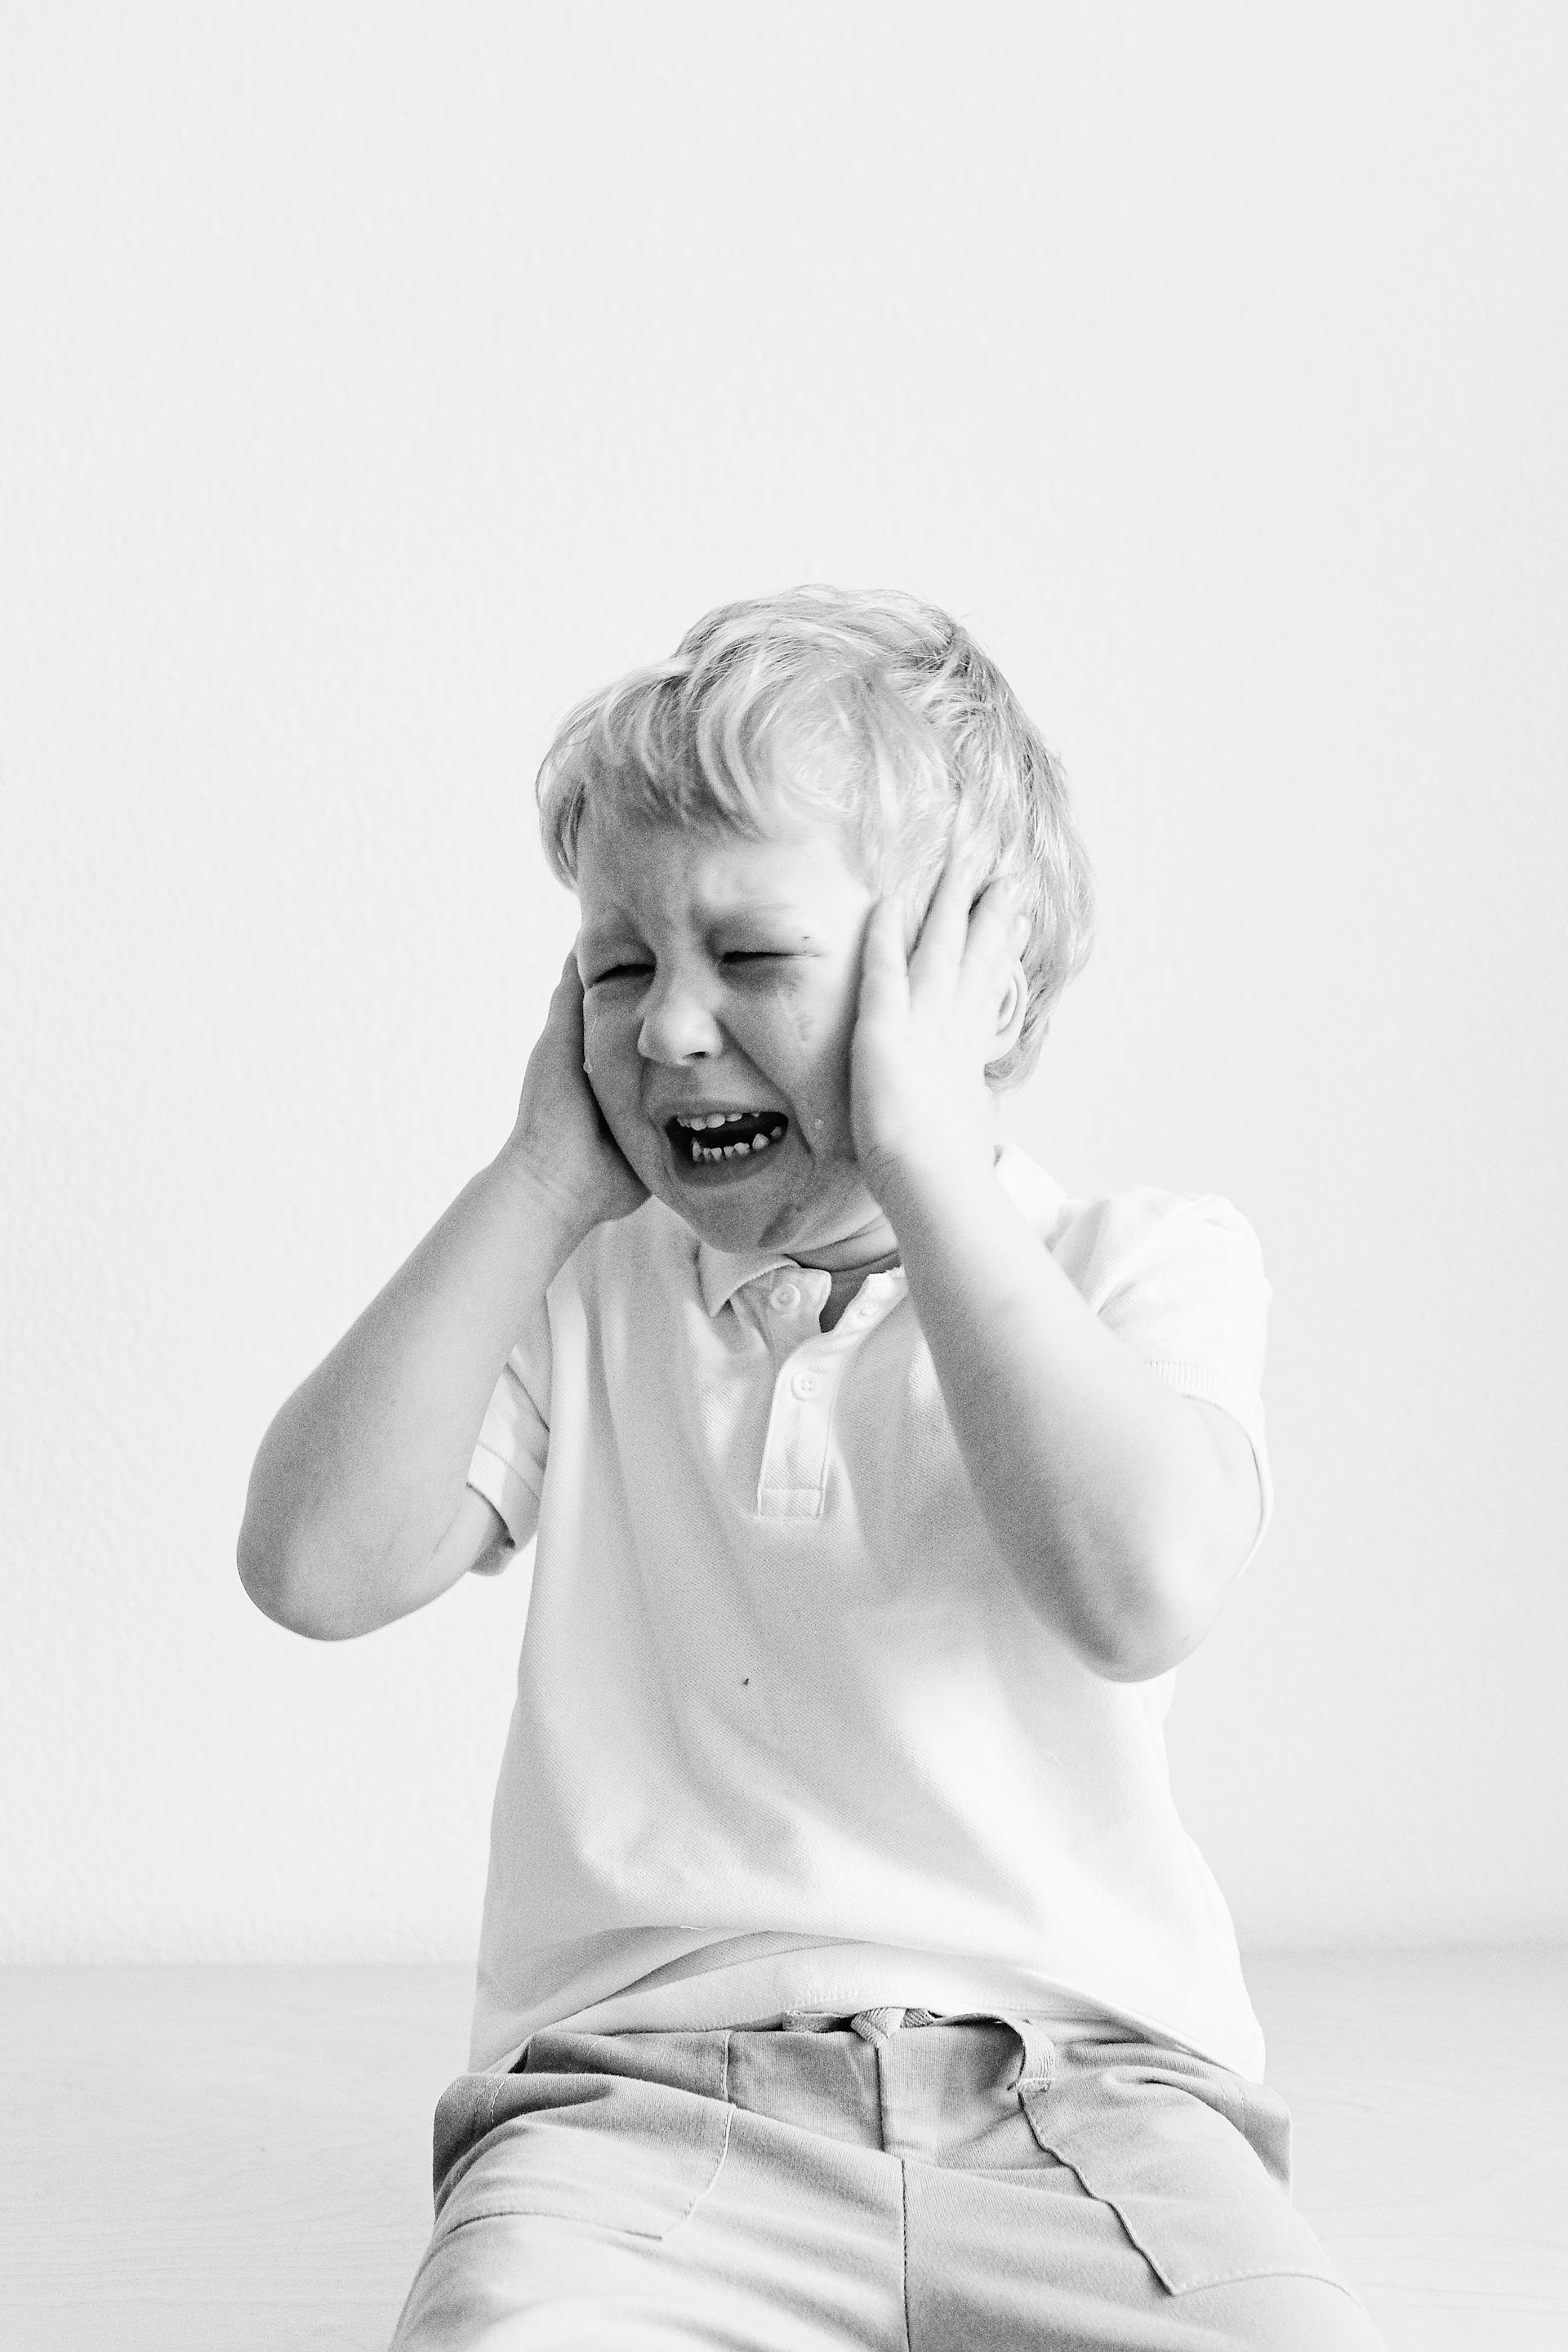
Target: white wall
[379, 379]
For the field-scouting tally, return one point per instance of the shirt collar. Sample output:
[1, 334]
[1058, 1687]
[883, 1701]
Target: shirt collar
[720, 1275]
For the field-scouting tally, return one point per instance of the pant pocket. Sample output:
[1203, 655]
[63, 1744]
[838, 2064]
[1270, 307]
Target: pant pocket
[1193, 2161]
[602, 2150]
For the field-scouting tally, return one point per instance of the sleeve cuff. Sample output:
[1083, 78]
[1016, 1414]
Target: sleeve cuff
[1206, 1386]
[508, 1491]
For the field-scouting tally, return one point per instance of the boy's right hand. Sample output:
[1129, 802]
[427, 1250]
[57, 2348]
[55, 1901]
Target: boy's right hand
[560, 1141]
[358, 1508]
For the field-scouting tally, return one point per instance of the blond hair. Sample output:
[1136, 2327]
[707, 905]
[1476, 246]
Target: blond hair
[871, 709]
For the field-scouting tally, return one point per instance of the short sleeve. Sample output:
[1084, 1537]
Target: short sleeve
[508, 1467]
[1182, 1283]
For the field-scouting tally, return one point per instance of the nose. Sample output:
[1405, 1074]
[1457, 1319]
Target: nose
[678, 1025]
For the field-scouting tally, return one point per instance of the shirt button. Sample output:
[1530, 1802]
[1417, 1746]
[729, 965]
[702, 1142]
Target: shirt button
[786, 1297]
[804, 1384]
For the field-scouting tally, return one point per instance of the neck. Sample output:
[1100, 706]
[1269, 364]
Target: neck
[867, 1252]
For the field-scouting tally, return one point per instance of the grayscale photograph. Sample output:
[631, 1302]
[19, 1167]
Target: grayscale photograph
[783, 835]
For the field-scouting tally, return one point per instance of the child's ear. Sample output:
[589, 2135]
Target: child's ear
[1010, 1011]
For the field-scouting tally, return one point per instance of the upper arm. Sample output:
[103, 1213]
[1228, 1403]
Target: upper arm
[1203, 1574]
[1180, 1282]
[1240, 1520]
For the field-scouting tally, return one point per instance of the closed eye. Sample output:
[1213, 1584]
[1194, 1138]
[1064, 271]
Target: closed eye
[620, 971]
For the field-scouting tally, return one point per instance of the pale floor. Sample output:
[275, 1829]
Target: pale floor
[236, 2160]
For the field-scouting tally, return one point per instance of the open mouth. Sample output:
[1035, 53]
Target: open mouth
[711, 1139]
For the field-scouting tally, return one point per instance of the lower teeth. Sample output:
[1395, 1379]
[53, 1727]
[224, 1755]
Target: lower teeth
[706, 1156]
[728, 1150]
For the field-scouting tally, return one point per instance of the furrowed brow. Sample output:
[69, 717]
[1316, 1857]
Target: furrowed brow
[763, 910]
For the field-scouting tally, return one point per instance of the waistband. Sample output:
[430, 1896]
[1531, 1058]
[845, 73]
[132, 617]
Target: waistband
[1037, 2052]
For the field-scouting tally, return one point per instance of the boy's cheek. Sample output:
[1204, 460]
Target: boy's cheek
[618, 1099]
[630, 1128]
[827, 1129]
[823, 1032]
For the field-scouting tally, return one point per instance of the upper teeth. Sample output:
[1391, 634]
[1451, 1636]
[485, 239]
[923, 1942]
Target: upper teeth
[715, 1118]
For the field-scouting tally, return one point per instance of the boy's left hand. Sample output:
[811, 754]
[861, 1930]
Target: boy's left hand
[926, 1025]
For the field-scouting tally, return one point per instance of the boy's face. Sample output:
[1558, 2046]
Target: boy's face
[721, 977]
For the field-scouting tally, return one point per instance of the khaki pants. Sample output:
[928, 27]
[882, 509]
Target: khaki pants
[968, 2188]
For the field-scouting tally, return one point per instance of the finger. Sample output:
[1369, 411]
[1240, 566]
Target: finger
[568, 1008]
[566, 1001]
[566, 996]
[939, 949]
[884, 968]
[998, 930]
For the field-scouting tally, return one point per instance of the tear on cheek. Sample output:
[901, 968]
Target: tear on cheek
[803, 1024]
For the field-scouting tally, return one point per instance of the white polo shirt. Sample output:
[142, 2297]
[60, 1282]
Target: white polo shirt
[788, 1736]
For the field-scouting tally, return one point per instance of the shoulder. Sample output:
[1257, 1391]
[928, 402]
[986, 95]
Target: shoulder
[1141, 1247]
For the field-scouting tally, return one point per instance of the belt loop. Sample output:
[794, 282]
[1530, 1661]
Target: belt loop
[1037, 2054]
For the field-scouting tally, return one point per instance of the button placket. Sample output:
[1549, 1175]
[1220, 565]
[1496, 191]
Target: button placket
[794, 1458]
[794, 1478]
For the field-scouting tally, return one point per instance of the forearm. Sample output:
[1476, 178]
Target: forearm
[1103, 1488]
[360, 1476]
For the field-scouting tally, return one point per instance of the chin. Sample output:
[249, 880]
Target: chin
[735, 1228]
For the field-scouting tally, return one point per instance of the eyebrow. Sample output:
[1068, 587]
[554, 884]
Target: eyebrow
[620, 927]
[618, 932]
[759, 906]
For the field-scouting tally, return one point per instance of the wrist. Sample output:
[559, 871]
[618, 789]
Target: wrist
[934, 1184]
[559, 1215]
